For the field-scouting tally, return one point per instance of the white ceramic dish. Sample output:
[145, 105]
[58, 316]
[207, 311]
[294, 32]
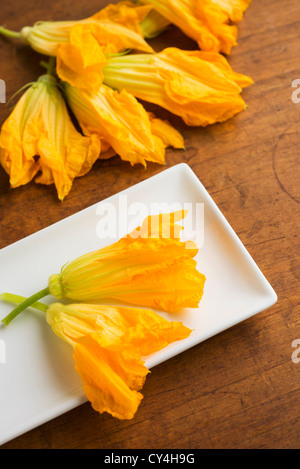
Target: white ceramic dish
[38, 381]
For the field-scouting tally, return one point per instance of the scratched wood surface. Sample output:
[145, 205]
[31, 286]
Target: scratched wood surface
[241, 388]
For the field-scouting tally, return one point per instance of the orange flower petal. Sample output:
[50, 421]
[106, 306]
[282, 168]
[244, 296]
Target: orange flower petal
[201, 87]
[168, 287]
[40, 125]
[148, 332]
[163, 225]
[144, 329]
[125, 13]
[233, 8]
[164, 130]
[158, 272]
[108, 344]
[18, 163]
[102, 114]
[208, 22]
[115, 27]
[81, 60]
[111, 377]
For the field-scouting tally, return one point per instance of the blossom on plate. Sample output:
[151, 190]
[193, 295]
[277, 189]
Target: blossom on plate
[110, 344]
[39, 137]
[149, 267]
[122, 122]
[199, 86]
[208, 22]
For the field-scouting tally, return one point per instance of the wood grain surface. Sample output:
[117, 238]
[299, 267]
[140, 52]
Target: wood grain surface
[239, 389]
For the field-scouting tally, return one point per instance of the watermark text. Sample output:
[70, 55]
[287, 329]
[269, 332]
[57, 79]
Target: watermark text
[2, 92]
[296, 353]
[296, 93]
[119, 219]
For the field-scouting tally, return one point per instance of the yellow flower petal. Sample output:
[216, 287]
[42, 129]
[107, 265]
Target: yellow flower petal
[115, 28]
[201, 87]
[109, 343]
[208, 22]
[144, 329]
[114, 37]
[158, 271]
[218, 63]
[148, 272]
[125, 13]
[170, 286]
[121, 121]
[80, 62]
[164, 130]
[148, 332]
[111, 378]
[18, 164]
[233, 8]
[39, 136]
[162, 226]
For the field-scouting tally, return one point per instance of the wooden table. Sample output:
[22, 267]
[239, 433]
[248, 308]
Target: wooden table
[239, 389]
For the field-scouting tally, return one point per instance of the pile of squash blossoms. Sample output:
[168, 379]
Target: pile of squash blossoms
[100, 67]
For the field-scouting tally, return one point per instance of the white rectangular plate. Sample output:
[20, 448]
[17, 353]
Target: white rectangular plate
[37, 376]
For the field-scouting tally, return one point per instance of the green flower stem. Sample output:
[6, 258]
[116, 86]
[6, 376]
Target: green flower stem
[25, 304]
[17, 299]
[8, 33]
[51, 66]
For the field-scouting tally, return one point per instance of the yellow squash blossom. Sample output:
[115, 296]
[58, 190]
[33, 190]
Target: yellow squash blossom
[110, 344]
[40, 138]
[122, 122]
[201, 87]
[146, 268]
[149, 267]
[113, 32]
[208, 22]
